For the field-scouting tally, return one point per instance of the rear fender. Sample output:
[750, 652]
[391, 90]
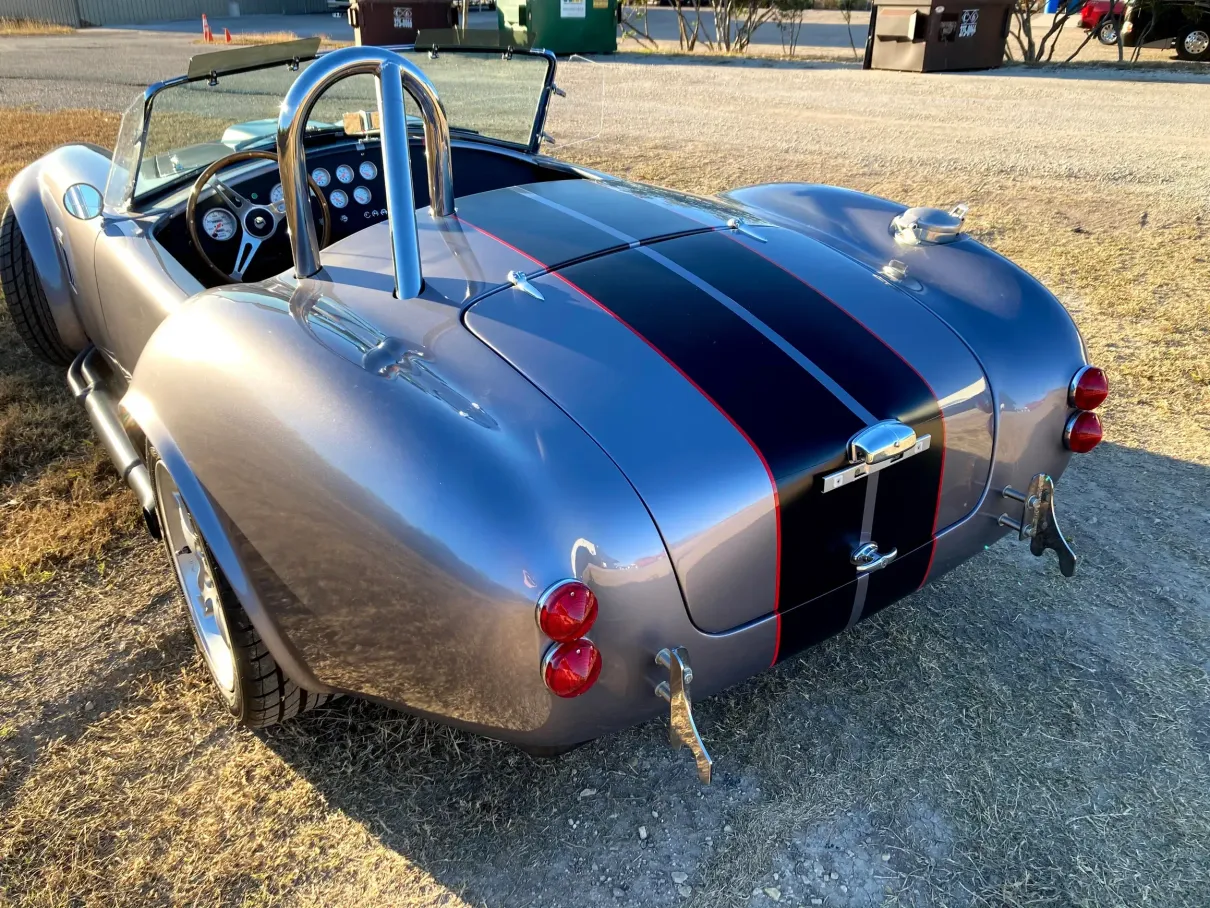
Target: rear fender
[142, 410]
[60, 245]
[389, 499]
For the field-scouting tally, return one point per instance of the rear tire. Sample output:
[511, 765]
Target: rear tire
[25, 298]
[1194, 43]
[248, 679]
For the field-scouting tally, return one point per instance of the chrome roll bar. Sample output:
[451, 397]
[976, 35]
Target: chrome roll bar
[395, 75]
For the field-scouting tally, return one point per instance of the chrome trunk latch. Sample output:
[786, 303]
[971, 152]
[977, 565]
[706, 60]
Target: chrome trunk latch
[519, 280]
[1038, 523]
[742, 228]
[682, 729]
[875, 448]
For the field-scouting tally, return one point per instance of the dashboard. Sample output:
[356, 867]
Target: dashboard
[349, 174]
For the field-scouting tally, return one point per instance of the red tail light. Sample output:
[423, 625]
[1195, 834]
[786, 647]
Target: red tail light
[567, 611]
[1082, 433]
[1089, 388]
[569, 669]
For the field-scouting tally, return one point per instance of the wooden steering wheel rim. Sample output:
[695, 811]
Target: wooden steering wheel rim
[208, 174]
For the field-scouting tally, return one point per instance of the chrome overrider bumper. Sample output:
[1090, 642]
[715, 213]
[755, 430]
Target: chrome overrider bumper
[1038, 522]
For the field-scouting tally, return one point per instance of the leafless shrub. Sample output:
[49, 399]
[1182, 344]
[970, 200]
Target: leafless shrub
[788, 14]
[1022, 31]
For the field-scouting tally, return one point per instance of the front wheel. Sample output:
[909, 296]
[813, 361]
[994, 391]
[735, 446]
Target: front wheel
[249, 681]
[1194, 43]
[25, 298]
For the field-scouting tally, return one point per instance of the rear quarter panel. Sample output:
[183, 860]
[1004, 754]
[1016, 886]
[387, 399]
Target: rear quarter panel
[393, 533]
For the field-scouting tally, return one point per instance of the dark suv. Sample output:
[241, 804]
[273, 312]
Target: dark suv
[1183, 24]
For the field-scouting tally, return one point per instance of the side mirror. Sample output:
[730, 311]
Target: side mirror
[83, 201]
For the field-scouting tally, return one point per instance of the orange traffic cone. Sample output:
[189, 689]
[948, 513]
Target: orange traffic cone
[206, 35]
[227, 35]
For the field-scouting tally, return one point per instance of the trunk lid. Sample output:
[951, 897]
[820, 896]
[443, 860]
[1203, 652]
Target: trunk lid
[726, 371]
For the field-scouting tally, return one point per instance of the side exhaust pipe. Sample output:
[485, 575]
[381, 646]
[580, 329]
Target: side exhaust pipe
[88, 387]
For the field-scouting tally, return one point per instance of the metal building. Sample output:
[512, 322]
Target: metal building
[83, 13]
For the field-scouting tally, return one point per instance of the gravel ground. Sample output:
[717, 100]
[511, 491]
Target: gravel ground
[1010, 123]
[1003, 738]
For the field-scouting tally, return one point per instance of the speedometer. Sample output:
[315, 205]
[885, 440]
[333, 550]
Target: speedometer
[219, 224]
[338, 198]
[367, 170]
[362, 195]
[277, 194]
[321, 176]
[344, 173]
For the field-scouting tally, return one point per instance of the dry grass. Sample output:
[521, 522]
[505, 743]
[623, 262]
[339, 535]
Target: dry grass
[1006, 740]
[29, 134]
[59, 502]
[24, 27]
[267, 38]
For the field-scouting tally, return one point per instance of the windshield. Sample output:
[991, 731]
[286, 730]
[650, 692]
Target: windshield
[193, 124]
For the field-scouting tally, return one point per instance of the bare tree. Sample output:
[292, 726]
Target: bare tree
[1041, 51]
[736, 22]
[788, 14]
[846, 8]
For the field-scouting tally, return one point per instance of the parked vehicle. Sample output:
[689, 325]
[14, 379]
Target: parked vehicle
[424, 415]
[1097, 17]
[1182, 24]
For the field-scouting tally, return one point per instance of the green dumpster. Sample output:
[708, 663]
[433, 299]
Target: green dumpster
[563, 26]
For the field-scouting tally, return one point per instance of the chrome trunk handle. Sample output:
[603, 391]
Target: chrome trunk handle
[868, 559]
[395, 75]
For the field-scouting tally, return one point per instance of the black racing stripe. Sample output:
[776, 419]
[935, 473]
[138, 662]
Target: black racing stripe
[621, 209]
[815, 621]
[905, 511]
[877, 377]
[797, 424]
[538, 230]
[904, 576]
[819, 329]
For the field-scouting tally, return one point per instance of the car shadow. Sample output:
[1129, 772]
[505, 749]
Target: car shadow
[936, 729]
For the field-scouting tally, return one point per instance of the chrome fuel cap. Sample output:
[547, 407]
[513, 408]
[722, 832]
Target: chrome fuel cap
[920, 226]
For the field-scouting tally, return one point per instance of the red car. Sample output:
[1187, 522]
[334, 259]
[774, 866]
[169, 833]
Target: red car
[1096, 17]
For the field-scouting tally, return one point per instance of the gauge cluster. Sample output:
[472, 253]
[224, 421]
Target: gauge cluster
[348, 175]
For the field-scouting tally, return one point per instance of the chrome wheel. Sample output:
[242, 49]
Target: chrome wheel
[196, 577]
[1197, 42]
[1108, 33]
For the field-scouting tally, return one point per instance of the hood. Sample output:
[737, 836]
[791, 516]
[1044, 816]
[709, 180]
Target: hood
[725, 369]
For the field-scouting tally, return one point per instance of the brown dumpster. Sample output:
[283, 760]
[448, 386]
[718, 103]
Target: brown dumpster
[937, 36]
[376, 22]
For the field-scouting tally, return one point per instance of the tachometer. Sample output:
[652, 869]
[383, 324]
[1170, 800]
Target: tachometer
[362, 195]
[344, 173]
[277, 194]
[219, 224]
[367, 170]
[338, 198]
[321, 176]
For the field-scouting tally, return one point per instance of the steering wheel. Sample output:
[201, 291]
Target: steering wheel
[256, 223]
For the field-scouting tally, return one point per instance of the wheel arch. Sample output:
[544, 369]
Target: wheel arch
[36, 196]
[216, 529]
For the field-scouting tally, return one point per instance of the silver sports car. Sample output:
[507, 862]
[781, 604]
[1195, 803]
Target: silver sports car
[427, 416]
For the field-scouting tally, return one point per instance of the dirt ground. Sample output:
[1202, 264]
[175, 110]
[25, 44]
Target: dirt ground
[1002, 738]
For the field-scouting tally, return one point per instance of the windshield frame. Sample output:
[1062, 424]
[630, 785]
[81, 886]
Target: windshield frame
[119, 189]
